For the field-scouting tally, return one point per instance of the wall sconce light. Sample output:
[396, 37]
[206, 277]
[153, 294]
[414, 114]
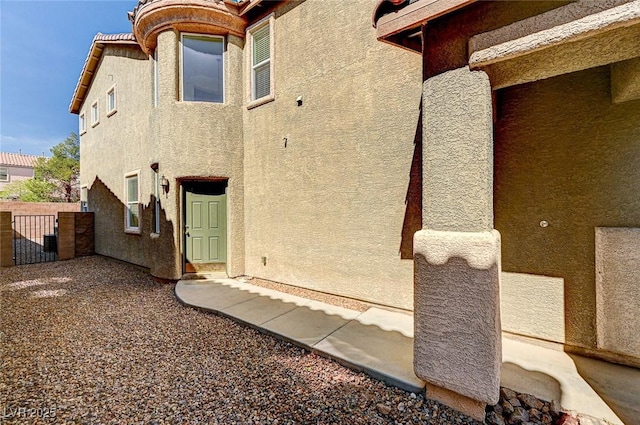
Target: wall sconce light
[165, 184]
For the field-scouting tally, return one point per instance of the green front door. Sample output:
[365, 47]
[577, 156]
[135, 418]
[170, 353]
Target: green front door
[205, 229]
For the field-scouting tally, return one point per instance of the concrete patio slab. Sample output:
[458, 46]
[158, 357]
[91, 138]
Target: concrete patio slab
[388, 320]
[384, 354]
[212, 294]
[261, 309]
[304, 325]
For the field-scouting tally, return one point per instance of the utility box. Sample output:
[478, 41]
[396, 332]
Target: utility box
[50, 243]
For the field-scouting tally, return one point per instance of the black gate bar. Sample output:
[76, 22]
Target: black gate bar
[35, 239]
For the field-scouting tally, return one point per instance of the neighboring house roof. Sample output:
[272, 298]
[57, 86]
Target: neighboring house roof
[91, 63]
[17, 160]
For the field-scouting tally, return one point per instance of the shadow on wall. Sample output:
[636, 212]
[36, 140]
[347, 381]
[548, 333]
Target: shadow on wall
[564, 157]
[413, 212]
[540, 384]
[156, 251]
[607, 379]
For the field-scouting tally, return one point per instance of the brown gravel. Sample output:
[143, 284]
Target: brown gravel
[93, 341]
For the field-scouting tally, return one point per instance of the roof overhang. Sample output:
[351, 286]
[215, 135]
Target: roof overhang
[402, 27]
[200, 16]
[247, 5]
[91, 64]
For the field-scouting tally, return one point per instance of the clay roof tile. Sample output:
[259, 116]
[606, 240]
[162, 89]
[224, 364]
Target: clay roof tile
[17, 159]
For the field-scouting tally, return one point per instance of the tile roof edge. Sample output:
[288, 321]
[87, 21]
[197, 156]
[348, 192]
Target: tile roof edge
[99, 39]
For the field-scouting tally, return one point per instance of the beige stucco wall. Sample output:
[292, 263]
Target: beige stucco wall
[116, 146]
[327, 209]
[566, 155]
[201, 139]
[617, 295]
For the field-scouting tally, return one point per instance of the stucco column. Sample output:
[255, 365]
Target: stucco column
[457, 348]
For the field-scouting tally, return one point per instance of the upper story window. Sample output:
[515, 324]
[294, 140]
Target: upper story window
[82, 123]
[132, 208]
[111, 101]
[4, 174]
[95, 114]
[261, 64]
[202, 68]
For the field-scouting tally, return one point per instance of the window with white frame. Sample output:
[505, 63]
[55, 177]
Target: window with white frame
[156, 209]
[132, 208]
[202, 77]
[261, 39]
[111, 101]
[95, 114]
[4, 174]
[84, 195]
[82, 123]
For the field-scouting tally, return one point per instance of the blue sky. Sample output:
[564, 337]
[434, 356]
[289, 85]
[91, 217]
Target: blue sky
[43, 45]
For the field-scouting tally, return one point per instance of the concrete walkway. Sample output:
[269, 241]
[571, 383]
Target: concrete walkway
[380, 343]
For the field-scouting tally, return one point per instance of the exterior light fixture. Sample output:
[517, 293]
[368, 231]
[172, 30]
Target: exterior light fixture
[165, 184]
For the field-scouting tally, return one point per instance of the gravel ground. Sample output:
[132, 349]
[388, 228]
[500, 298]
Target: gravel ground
[93, 341]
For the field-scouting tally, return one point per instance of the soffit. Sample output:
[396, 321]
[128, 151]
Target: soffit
[401, 27]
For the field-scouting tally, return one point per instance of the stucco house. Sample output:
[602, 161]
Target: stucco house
[472, 161]
[15, 167]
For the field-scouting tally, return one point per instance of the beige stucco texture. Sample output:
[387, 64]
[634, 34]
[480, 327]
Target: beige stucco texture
[200, 139]
[617, 294]
[558, 42]
[458, 154]
[319, 190]
[565, 162]
[625, 80]
[533, 305]
[326, 182]
[113, 147]
[457, 343]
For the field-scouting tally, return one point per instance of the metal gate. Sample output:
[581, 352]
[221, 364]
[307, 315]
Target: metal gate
[35, 239]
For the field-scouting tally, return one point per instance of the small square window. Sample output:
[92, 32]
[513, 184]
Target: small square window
[132, 207]
[4, 174]
[82, 123]
[111, 101]
[95, 114]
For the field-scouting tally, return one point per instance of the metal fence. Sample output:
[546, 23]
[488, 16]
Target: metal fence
[35, 239]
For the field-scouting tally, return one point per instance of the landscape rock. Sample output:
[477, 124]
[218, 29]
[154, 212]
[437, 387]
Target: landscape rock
[518, 416]
[383, 409]
[530, 402]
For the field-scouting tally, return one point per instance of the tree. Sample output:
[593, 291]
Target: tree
[30, 190]
[61, 171]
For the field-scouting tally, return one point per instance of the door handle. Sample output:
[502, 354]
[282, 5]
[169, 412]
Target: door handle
[187, 233]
